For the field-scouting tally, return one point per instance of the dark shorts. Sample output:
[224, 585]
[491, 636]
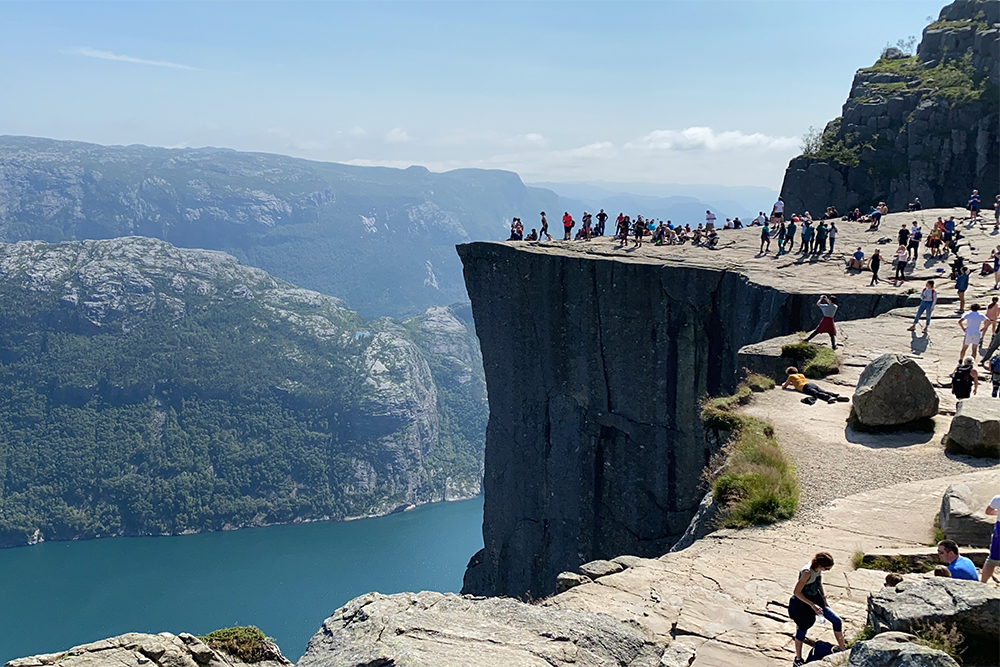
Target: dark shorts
[994, 557]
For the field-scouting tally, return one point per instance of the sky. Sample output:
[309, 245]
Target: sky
[702, 91]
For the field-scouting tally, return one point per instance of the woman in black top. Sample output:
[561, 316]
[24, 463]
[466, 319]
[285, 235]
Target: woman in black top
[874, 264]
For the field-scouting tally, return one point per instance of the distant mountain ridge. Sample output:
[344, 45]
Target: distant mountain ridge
[147, 389]
[382, 239]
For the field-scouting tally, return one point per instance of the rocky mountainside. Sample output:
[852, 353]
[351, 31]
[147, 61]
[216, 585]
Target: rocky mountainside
[925, 126]
[382, 239]
[148, 389]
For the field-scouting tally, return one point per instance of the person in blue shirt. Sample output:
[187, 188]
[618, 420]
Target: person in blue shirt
[961, 285]
[974, 205]
[959, 566]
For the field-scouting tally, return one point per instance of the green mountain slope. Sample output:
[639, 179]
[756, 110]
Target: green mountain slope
[147, 389]
[382, 239]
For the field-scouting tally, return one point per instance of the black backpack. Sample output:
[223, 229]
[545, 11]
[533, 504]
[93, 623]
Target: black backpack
[961, 381]
[819, 651]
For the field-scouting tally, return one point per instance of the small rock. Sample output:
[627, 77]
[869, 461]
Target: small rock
[568, 580]
[626, 561]
[975, 429]
[596, 569]
[897, 649]
[894, 390]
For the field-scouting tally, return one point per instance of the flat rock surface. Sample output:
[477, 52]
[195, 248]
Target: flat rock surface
[442, 630]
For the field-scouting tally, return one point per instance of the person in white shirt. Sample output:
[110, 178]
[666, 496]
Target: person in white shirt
[761, 219]
[973, 324]
[778, 210]
[709, 220]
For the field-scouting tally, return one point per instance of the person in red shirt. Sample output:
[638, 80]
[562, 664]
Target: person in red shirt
[567, 226]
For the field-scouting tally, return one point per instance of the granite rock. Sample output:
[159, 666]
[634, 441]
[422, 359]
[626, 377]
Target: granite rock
[596, 569]
[447, 630]
[975, 429]
[962, 516]
[897, 649]
[568, 580]
[892, 391]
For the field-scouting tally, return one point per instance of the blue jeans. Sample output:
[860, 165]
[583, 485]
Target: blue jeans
[805, 617]
[924, 307]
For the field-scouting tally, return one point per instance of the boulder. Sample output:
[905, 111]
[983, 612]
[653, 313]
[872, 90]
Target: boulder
[963, 516]
[447, 630]
[568, 580]
[975, 429]
[600, 568]
[897, 649]
[894, 390]
[971, 607]
[701, 524]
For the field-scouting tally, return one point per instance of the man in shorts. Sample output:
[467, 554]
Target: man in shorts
[778, 210]
[973, 323]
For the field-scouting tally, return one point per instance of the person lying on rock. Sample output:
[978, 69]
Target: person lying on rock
[810, 389]
[809, 601]
[959, 566]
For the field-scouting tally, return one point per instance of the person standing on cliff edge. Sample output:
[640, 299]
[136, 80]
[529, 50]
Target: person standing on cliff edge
[567, 226]
[828, 306]
[545, 229]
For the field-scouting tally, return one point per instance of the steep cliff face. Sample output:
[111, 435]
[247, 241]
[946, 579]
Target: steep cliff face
[594, 369]
[913, 126]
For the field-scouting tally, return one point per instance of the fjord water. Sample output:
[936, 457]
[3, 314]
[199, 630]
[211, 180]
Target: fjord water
[284, 579]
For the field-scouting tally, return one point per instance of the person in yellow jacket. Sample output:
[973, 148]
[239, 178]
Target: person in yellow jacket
[811, 390]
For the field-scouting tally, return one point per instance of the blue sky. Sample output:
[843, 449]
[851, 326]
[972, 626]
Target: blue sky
[708, 91]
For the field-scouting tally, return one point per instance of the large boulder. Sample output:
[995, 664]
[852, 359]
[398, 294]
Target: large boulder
[897, 649]
[971, 607]
[975, 429]
[963, 512]
[894, 390]
[446, 630]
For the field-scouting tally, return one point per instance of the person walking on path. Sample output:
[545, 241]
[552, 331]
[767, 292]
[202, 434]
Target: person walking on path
[973, 324]
[874, 263]
[959, 566]
[765, 238]
[928, 300]
[993, 315]
[965, 379]
[833, 236]
[901, 258]
[545, 229]
[781, 236]
[828, 306]
[790, 235]
[812, 390]
[904, 235]
[961, 286]
[913, 245]
[993, 559]
[809, 601]
[567, 226]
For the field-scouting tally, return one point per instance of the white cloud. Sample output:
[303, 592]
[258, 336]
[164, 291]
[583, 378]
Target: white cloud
[357, 131]
[596, 149]
[108, 55]
[397, 135]
[705, 138]
[535, 139]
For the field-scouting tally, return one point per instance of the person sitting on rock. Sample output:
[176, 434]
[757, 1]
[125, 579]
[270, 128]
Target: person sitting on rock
[959, 566]
[993, 559]
[810, 389]
[533, 236]
[857, 260]
[809, 601]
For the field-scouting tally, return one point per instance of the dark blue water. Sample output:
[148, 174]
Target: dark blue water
[283, 579]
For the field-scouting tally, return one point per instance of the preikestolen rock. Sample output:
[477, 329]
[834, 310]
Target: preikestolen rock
[963, 516]
[975, 429]
[894, 390]
[969, 606]
[568, 580]
[897, 649]
[600, 568]
[447, 630]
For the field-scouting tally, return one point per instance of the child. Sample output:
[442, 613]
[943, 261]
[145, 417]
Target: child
[811, 390]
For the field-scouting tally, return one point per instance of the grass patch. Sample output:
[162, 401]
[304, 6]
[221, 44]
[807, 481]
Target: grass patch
[941, 637]
[246, 643]
[815, 361]
[857, 559]
[759, 383]
[897, 564]
[936, 533]
[863, 635]
[756, 484]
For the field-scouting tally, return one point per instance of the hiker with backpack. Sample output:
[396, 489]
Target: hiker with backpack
[964, 379]
[809, 601]
[995, 374]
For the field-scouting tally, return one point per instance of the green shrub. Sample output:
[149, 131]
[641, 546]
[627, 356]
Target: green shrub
[941, 637]
[759, 383]
[864, 634]
[246, 643]
[816, 361]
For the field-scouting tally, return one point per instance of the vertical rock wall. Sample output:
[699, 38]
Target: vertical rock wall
[594, 369]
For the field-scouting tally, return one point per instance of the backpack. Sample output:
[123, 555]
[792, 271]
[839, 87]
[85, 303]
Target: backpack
[819, 651]
[961, 381]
